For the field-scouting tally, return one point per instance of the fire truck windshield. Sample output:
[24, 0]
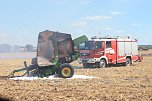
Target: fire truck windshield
[93, 45]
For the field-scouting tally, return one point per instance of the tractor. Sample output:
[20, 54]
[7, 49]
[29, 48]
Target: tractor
[55, 52]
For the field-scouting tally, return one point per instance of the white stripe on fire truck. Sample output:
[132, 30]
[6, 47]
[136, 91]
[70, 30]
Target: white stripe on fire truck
[99, 53]
[119, 59]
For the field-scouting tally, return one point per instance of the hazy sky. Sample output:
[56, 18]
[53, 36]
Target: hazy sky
[22, 20]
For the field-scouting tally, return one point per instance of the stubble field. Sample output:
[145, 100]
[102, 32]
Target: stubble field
[133, 83]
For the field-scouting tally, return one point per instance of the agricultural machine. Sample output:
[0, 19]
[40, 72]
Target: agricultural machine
[55, 51]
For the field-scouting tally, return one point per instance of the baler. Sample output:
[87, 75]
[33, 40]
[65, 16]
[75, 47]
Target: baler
[55, 51]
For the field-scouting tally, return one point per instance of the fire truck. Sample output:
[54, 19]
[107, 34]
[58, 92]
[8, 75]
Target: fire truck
[105, 51]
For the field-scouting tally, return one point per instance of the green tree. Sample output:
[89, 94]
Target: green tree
[29, 48]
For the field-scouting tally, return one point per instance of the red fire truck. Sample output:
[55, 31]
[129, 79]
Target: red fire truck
[104, 51]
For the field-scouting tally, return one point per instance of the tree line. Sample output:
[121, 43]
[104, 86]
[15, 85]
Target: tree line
[144, 47]
[8, 48]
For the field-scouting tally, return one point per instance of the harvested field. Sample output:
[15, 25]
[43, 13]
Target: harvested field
[113, 83]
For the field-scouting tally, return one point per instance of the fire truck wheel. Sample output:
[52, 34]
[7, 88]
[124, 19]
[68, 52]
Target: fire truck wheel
[86, 65]
[65, 71]
[128, 62]
[102, 63]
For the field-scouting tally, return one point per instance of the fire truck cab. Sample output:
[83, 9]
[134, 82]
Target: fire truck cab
[104, 51]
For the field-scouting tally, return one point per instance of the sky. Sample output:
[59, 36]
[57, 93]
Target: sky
[22, 20]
